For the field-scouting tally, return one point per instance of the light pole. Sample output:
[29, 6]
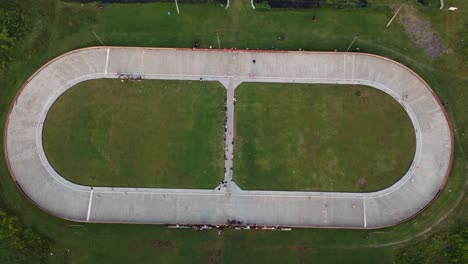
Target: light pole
[92, 30]
[393, 17]
[352, 42]
[177, 7]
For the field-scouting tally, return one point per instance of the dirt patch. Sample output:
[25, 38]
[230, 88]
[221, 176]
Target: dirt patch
[421, 33]
[163, 244]
[361, 182]
[313, 147]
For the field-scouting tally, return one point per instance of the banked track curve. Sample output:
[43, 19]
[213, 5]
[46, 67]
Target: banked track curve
[403, 200]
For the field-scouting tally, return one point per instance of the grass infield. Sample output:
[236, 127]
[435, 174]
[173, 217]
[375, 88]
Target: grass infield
[138, 134]
[320, 137]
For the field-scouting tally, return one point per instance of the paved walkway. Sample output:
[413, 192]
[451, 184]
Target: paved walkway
[51, 192]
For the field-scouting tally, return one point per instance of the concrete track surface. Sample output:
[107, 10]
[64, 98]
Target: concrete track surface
[35, 177]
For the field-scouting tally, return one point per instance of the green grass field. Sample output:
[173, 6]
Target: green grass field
[320, 137]
[289, 136]
[58, 27]
[139, 134]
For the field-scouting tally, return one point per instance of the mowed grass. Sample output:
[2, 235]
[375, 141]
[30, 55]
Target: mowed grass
[62, 26]
[141, 134]
[320, 137]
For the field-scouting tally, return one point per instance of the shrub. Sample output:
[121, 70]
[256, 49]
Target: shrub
[317, 3]
[20, 244]
[424, 2]
[448, 246]
[12, 27]
[262, 5]
[294, 3]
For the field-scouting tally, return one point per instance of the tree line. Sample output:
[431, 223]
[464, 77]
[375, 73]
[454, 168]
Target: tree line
[13, 25]
[147, 1]
[316, 3]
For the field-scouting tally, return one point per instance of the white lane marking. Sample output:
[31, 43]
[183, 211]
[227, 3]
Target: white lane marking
[211, 193]
[436, 141]
[344, 66]
[107, 61]
[89, 205]
[364, 207]
[142, 63]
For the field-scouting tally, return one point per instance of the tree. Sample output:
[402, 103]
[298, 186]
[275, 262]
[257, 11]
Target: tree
[20, 244]
[12, 27]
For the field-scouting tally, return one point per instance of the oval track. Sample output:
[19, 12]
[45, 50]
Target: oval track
[34, 175]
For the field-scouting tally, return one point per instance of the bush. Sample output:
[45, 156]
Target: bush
[443, 247]
[12, 27]
[294, 3]
[262, 5]
[317, 3]
[424, 2]
[344, 3]
[20, 244]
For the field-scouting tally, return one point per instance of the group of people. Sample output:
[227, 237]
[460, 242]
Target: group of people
[222, 184]
[231, 169]
[125, 77]
[238, 225]
[226, 152]
[225, 115]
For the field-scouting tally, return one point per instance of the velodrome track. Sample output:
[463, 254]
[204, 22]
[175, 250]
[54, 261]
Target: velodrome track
[37, 179]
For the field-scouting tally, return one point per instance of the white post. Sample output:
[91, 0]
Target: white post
[352, 42]
[252, 4]
[89, 205]
[394, 15]
[177, 7]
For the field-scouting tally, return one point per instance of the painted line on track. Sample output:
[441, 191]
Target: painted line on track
[89, 205]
